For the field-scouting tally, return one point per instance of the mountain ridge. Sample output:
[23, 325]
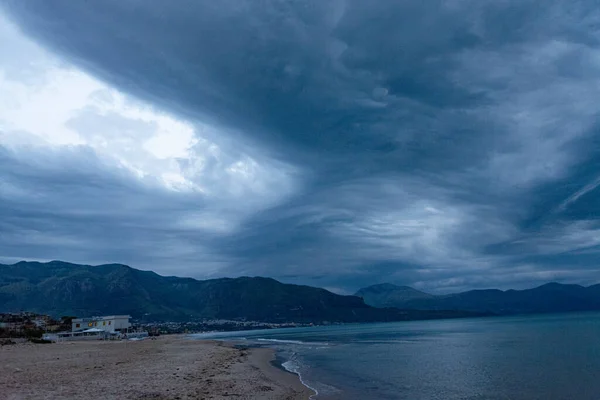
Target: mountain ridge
[549, 297]
[388, 294]
[62, 288]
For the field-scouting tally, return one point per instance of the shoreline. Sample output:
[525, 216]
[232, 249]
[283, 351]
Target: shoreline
[269, 358]
[278, 363]
[266, 358]
[172, 367]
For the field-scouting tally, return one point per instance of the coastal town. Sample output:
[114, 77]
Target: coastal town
[41, 328]
[29, 325]
[36, 327]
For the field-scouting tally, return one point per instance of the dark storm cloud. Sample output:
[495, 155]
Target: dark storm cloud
[446, 144]
[69, 204]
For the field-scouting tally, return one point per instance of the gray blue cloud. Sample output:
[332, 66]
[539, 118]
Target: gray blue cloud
[441, 144]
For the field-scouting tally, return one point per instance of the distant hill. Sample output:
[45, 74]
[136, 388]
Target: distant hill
[388, 295]
[60, 288]
[551, 297]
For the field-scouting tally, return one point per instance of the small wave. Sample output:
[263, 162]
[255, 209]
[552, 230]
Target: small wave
[294, 368]
[386, 341]
[297, 342]
[219, 339]
[280, 341]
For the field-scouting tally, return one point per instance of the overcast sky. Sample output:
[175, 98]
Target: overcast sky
[446, 145]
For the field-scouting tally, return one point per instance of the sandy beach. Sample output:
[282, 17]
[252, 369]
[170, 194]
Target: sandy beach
[171, 367]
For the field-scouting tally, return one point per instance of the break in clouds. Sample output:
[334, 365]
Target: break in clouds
[445, 145]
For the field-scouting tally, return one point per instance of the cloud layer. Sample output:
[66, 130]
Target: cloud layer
[446, 145]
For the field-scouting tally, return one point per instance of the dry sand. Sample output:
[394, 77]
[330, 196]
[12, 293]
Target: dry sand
[171, 367]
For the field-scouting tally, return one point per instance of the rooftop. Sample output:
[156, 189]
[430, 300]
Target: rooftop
[101, 318]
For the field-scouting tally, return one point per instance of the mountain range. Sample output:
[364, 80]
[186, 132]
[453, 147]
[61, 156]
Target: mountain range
[551, 297]
[59, 288]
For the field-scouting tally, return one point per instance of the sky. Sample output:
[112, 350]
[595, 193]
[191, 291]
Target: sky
[447, 145]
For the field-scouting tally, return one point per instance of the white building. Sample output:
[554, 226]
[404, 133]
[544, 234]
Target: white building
[111, 323]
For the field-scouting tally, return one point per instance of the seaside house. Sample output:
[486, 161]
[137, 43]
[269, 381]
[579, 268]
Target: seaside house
[111, 323]
[94, 328]
[99, 328]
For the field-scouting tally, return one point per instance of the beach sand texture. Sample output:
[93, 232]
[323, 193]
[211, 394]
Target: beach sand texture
[168, 368]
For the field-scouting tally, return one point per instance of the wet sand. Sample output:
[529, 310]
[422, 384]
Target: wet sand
[171, 367]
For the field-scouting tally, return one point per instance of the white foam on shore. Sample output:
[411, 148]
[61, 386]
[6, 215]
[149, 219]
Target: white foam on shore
[294, 368]
[285, 341]
[291, 365]
[280, 341]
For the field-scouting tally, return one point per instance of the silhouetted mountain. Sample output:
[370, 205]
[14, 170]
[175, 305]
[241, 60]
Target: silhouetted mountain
[389, 295]
[60, 288]
[551, 297]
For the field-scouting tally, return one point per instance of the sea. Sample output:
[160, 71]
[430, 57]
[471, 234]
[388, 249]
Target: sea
[497, 358]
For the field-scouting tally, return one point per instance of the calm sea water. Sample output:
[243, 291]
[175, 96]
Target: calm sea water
[531, 357]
